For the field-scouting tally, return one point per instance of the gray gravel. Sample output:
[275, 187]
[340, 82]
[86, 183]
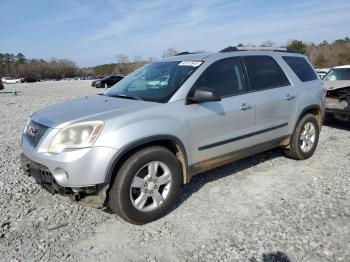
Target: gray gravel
[262, 208]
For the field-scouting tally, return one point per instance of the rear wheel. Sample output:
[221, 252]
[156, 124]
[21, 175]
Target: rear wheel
[146, 185]
[305, 138]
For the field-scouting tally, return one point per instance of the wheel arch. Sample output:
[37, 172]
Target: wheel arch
[170, 142]
[314, 110]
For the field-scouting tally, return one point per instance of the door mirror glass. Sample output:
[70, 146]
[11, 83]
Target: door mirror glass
[203, 94]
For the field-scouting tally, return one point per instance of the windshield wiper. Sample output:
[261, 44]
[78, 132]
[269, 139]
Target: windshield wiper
[126, 97]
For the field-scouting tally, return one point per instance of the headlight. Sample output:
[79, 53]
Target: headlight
[75, 136]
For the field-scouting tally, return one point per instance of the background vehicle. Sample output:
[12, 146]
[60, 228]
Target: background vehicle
[321, 72]
[93, 83]
[29, 80]
[1, 85]
[107, 81]
[131, 148]
[10, 80]
[337, 84]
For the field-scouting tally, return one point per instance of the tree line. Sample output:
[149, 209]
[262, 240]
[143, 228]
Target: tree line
[324, 54]
[123, 66]
[19, 66]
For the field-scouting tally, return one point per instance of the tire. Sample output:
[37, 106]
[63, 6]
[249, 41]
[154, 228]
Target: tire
[124, 199]
[300, 149]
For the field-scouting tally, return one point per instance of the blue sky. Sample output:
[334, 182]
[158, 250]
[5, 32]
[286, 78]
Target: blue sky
[94, 32]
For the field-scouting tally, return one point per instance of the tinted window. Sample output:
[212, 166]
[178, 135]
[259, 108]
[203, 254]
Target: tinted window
[301, 68]
[264, 72]
[225, 76]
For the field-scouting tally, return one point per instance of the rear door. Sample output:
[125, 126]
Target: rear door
[274, 96]
[221, 127]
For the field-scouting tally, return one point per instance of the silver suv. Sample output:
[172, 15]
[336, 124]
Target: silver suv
[131, 148]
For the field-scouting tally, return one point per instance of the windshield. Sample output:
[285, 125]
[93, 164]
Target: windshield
[155, 82]
[338, 74]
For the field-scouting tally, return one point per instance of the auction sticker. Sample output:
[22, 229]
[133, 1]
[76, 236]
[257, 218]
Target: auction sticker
[191, 63]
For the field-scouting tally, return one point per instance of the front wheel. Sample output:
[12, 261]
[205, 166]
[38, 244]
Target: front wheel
[305, 138]
[146, 185]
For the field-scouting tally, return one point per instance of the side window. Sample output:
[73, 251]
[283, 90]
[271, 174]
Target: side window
[264, 72]
[301, 68]
[226, 77]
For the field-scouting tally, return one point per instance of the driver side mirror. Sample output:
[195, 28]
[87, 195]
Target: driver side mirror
[203, 94]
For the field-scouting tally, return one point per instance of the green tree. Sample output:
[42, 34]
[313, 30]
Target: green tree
[20, 58]
[298, 45]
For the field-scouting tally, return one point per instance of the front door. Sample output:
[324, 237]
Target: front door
[221, 127]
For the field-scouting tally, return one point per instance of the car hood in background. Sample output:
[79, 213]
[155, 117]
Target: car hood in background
[89, 108]
[332, 85]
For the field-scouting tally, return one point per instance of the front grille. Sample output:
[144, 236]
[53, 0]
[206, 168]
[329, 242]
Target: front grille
[34, 132]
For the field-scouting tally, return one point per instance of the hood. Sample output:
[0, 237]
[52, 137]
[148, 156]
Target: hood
[87, 108]
[337, 84]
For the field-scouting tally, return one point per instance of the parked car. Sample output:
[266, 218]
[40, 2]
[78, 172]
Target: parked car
[93, 83]
[337, 83]
[322, 72]
[29, 80]
[1, 85]
[132, 147]
[10, 80]
[107, 82]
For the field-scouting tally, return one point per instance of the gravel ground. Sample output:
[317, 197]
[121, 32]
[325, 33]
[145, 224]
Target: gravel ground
[262, 208]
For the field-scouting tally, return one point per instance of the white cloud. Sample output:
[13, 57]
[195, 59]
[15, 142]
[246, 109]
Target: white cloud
[149, 27]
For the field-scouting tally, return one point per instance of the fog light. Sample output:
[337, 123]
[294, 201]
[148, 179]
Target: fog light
[60, 175]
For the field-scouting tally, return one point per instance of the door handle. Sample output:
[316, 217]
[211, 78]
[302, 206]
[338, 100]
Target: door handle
[245, 107]
[289, 97]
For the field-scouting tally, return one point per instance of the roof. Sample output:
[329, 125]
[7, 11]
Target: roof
[191, 56]
[230, 51]
[343, 66]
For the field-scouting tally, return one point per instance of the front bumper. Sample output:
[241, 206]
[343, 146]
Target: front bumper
[77, 168]
[340, 114]
[42, 176]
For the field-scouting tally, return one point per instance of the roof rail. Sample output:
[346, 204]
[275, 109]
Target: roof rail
[250, 48]
[184, 53]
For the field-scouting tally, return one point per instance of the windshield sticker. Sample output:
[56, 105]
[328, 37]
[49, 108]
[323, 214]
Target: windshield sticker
[191, 63]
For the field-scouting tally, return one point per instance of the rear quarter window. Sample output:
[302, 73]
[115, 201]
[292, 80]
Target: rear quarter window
[264, 72]
[301, 68]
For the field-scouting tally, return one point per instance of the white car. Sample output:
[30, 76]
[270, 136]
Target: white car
[10, 80]
[322, 72]
[337, 83]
